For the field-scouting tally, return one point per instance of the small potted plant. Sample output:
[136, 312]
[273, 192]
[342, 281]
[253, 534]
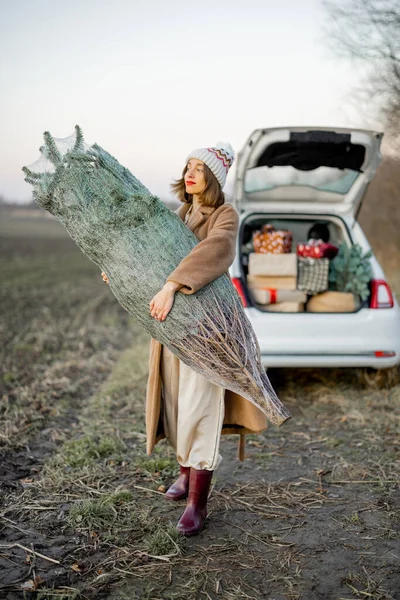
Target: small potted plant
[349, 276]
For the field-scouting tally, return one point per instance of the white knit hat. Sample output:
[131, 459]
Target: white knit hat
[218, 158]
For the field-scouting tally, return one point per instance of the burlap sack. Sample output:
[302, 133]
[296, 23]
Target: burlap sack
[333, 302]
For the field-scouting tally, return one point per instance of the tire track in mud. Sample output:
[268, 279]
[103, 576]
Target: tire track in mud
[32, 413]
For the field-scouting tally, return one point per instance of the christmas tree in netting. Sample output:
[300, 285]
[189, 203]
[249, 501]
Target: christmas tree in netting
[138, 241]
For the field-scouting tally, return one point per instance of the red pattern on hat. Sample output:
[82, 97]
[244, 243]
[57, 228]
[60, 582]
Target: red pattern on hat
[224, 158]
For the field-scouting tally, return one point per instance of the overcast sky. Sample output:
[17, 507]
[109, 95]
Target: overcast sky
[151, 80]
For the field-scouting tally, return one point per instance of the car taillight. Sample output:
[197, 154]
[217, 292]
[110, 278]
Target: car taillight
[237, 282]
[381, 294]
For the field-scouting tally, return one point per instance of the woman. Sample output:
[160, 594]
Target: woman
[181, 405]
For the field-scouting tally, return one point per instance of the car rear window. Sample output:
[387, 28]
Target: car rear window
[326, 179]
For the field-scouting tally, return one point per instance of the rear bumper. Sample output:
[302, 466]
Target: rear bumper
[328, 360]
[328, 340]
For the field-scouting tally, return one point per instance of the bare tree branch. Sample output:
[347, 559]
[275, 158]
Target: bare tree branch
[368, 32]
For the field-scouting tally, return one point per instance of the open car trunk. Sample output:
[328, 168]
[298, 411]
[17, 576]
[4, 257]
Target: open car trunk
[294, 178]
[306, 169]
[280, 291]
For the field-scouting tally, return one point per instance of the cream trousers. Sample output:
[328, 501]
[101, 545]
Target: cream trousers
[193, 412]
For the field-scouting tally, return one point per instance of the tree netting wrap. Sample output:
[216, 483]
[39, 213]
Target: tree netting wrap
[138, 241]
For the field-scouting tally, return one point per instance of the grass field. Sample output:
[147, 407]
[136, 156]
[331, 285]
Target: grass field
[312, 513]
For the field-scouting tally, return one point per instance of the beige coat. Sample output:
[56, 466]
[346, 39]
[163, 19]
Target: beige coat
[216, 228]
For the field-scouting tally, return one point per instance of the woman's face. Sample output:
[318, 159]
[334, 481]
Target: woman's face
[195, 181]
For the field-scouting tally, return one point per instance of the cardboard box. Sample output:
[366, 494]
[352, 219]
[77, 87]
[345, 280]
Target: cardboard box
[294, 307]
[287, 282]
[273, 264]
[272, 295]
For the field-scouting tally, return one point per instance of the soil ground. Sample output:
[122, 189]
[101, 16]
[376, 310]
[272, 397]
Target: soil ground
[312, 512]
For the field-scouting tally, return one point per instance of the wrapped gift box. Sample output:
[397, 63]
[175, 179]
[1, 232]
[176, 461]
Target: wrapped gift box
[317, 249]
[287, 282]
[313, 275]
[272, 295]
[271, 240]
[273, 264]
[286, 307]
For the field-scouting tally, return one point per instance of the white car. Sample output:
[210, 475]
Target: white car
[295, 178]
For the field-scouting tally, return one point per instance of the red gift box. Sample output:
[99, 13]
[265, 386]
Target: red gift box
[317, 249]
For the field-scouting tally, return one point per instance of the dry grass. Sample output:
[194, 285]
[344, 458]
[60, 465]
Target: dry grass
[311, 513]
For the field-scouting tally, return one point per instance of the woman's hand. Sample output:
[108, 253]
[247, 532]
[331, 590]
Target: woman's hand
[163, 301]
[104, 276]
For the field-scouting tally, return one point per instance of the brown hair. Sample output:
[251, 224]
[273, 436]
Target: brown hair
[212, 194]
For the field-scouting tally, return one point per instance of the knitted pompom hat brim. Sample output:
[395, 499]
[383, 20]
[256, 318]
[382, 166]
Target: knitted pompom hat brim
[218, 158]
